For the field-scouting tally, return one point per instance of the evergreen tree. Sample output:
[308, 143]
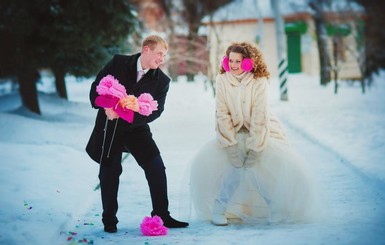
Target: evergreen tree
[68, 36]
[84, 35]
[22, 46]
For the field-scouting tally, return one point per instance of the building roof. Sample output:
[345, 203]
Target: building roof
[254, 9]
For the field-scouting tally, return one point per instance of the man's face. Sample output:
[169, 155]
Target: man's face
[152, 59]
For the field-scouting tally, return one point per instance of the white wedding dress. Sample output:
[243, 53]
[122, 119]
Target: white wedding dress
[278, 188]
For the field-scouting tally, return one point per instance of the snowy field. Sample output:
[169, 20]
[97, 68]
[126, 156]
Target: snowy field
[48, 185]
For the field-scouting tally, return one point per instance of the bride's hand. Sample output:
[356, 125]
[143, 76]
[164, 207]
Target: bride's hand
[234, 156]
[252, 158]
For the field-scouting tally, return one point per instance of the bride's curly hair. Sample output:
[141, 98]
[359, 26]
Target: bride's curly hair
[249, 51]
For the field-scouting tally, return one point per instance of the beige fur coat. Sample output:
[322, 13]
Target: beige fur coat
[244, 104]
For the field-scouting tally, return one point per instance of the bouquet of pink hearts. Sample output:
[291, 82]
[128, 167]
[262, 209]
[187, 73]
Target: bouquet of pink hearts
[114, 99]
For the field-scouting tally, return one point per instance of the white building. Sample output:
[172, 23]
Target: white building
[253, 21]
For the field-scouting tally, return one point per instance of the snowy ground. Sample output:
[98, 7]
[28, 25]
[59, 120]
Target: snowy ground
[47, 182]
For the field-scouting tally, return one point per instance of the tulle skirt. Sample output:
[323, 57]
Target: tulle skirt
[278, 188]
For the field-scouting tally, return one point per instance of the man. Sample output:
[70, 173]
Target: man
[139, 74]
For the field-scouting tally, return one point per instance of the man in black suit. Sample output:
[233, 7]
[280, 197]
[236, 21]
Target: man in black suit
[139, 74]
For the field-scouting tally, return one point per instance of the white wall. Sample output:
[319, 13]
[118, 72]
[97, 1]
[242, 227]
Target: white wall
[239, 32]
[247, 30]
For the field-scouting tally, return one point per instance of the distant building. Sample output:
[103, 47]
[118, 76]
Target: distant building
[241, 20]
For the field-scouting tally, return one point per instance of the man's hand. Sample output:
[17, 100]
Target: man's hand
[111, 114]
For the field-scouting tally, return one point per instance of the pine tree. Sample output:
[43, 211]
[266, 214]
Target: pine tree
[85, 34]
[68, 36]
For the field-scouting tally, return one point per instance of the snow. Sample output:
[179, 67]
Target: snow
[48, 184]
[250, 9]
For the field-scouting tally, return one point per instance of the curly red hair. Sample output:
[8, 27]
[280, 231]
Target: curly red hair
[249, 51]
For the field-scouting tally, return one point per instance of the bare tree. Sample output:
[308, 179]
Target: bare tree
[360, 51]
[173, 23]
[181, 20]
[165, 16]
[216, 30]
[194, 11]
[322, 39]
[373, 37]
[260, 25]
[171, 10]
[346, 30]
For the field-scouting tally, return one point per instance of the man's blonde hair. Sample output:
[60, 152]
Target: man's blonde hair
[153, 40]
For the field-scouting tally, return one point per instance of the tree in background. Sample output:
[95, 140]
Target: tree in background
[22, 47]
[70, 36]
[172, 18]
[344, 28]
[194, 11]
[345, 24]
[84, 34]
[322, 39]
[179, 21]
[374, 36]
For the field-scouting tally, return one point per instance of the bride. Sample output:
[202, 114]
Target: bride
[249, 172]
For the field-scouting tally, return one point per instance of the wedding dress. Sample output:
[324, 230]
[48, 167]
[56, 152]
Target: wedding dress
[278, 188]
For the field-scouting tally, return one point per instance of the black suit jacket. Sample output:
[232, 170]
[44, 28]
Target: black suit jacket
[135, 137]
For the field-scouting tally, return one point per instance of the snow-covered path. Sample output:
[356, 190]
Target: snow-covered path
[355, 210]
[354, 201]
[47, 180]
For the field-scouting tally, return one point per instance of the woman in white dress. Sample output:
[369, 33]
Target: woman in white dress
[249, 172]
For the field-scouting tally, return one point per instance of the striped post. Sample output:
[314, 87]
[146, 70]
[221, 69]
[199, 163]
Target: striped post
[283, 73]
[281, 50]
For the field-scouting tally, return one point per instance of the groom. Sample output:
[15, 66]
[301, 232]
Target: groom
[139, 74]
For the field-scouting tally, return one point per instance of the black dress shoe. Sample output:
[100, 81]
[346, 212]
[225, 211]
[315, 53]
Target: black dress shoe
[169, 222]
[110, 228]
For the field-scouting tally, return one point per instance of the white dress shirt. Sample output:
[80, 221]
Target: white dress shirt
[140, 72]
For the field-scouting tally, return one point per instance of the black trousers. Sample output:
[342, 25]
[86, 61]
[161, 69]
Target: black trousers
[155, 173]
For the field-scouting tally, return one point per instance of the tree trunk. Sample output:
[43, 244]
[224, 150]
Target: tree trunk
[173, 65]
[259, 39]
[191, 53]
[60, 83]
[322, 41]
[362, 81]
[28, 90]
[362, 62]
[335, 65]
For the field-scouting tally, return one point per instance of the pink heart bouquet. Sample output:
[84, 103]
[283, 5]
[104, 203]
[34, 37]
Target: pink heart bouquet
[114, 99]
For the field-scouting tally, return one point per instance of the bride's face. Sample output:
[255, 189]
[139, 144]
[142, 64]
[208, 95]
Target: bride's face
[235, 61]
